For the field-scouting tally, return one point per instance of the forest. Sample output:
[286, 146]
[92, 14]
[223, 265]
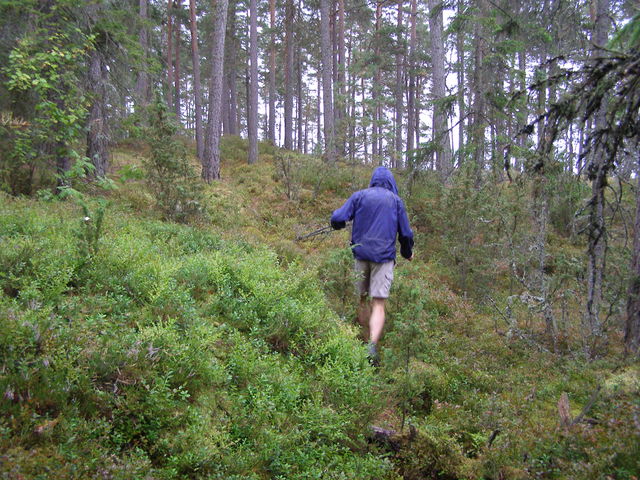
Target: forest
[175, 305]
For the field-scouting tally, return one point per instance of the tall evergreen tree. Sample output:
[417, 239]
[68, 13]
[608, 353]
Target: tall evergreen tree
[211, 160]
[252, 120]
[327, 83]
[197, 87]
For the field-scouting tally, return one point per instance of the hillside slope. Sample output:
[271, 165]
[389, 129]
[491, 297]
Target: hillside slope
[226, 349]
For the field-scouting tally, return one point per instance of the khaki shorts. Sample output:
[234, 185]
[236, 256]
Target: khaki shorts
[374, 279]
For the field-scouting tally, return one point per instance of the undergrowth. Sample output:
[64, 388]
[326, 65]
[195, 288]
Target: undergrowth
[172, 353]
[226, 349]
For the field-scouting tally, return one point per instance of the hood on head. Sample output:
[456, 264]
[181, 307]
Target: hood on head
[382, 177]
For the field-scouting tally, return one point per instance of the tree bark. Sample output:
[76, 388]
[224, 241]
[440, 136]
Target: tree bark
[478, 121]
[252, 120]
[524, 111]
[197, 87]
[271, 131]
[375, 134]
[399, 87]
[327, 94]
[319, 109]
[461, 79]
[288, 74]
[444, 160]
[169, 54]
[231, 74]
[98, 131]
[300, 102]
[351, 82]
[142, 82]
[411, 100]
[418, 109]
[340, 101]
[598, 170]
[211, 161]
[365, 140]
[176, 69]
[632, 323]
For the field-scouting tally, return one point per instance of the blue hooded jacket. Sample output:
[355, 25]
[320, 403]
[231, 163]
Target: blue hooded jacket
[378, 216]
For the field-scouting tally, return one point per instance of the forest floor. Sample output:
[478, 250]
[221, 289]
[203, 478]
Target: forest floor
[467, 398]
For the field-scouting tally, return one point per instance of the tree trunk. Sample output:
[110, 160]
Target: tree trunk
[365, 141]
[142, 82]
[318, 109]
[288, 74]
[231, 74]
[252, 120]
[327, 94]
[411, 100]
[396, 158]
[300, 102]
[632, 324]
[524, 112]
[376, 86]
[98, 131]
[169, 54]
[352, 101]
[444, 161]
[461, 79]
[417, 108]
[176, 70]
[211, 161]
[197, 87]
[598, 170]
[271, 131]
[478, 121]
[340, 101]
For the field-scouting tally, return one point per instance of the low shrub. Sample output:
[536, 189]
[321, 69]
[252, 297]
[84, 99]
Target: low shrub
[174, 355]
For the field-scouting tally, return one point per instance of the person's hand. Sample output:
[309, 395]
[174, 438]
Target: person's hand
[410, 258]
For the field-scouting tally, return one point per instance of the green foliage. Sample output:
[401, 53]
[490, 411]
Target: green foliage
[568, 198]
[172, 355]
[288, 171]
[90, 229]
[628, 36]
[43, 76]
[339, 281]
[176, 187]
[465, 218]
[408, 328]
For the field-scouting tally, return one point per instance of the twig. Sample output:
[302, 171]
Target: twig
[587, 407]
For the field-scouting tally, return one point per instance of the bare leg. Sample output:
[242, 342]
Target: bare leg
[364, 313]
[376, 321]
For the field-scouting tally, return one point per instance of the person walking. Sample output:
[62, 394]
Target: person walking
[379, 216]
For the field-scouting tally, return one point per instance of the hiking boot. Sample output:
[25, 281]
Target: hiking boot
[373, 356]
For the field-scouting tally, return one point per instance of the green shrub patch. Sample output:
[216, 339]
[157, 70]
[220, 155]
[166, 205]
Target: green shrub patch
[169, 353]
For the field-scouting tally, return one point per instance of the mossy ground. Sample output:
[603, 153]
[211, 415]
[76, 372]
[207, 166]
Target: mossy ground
[227, 349]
